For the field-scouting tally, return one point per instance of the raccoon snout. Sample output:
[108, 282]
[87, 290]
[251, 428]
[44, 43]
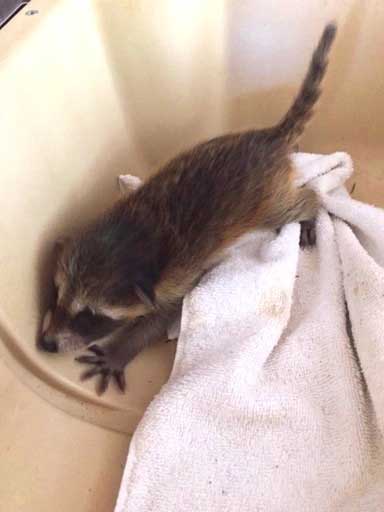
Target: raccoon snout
[48, 344]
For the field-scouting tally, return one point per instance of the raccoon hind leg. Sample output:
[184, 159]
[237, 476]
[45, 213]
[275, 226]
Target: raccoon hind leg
[305, 206]
[308, 206]
[303, 209]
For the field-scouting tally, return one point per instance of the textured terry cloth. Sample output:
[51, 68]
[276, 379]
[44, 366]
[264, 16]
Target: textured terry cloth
[276, 402]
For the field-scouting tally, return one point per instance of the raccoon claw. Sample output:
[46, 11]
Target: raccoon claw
[105, 367]
[120, 380]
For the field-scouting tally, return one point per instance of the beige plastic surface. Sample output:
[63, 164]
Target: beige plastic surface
[93, 89]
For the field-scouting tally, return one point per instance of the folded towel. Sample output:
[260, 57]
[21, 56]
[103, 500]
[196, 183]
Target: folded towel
[276, 399]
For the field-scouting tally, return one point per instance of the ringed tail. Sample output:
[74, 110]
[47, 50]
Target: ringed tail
[293, 123]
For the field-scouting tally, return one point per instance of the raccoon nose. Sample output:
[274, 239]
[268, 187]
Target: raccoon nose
[48, 344]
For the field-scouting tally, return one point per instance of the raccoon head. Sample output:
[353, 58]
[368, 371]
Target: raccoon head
[103, 278]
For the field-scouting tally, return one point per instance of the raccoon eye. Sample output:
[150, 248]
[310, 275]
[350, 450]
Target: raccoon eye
[87, 323]
[84, 318]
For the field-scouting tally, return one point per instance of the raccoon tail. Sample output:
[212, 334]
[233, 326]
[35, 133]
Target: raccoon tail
[293, 123]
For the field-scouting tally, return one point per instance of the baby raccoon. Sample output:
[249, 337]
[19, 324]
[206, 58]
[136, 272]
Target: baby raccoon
[124, 277]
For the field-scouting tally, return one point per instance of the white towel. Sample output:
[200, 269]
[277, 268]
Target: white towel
[271, 406]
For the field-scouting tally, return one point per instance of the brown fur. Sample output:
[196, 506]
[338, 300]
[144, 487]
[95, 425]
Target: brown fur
[150, 249]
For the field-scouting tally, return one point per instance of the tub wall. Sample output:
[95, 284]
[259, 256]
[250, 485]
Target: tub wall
[93, 89]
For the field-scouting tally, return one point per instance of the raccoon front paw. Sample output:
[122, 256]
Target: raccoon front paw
[105, 366]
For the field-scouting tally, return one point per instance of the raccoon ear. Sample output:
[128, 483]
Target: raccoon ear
[145, 291]
[127, 183]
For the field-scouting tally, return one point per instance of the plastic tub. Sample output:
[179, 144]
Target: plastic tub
[93, 89]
